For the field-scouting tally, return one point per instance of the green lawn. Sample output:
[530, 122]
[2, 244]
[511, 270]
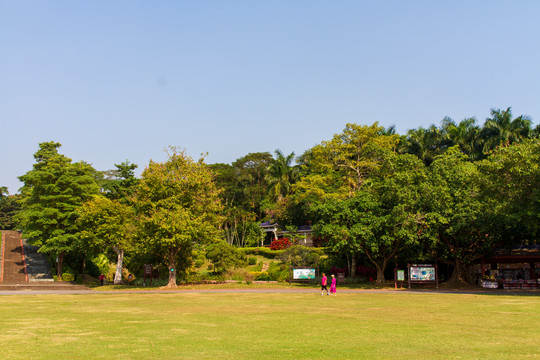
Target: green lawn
[280, 326]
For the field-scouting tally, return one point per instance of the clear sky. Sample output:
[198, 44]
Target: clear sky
[121, 80]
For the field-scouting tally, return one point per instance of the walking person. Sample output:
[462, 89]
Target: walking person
[323, 285]
[333, 286]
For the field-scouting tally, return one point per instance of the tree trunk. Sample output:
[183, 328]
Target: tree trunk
[461, 277]
[381, 281]
[59, 266]
[119, 265]
[83, 266]
[172, 270]
[353, 266]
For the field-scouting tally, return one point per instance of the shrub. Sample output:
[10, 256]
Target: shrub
[252, 261]
[263, 276]
[224, 256]
[248, 277]
[199, 263]
[68, 277]
[210, 267]
[280, 244]
[262, 251]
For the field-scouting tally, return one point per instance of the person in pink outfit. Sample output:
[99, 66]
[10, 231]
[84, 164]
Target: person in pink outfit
[323, 285]
[333, 286]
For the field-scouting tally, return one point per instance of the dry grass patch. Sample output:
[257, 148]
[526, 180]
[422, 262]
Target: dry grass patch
[270, 326]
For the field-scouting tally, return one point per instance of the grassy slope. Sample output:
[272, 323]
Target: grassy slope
[270, 326]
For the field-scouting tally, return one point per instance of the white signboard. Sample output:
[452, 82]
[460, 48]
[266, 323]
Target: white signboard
[303, 274]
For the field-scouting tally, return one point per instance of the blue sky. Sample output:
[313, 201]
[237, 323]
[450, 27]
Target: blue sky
[122, 80]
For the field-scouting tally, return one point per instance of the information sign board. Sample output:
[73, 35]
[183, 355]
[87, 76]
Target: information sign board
[303, 274]
[422, 273]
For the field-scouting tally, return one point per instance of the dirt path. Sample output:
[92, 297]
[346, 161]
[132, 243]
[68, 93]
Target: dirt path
[314, 291]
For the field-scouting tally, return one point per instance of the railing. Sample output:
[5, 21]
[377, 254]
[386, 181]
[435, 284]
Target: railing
[3, 251]
[23, 259]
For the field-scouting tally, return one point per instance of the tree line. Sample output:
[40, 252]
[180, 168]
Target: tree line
[450, 194]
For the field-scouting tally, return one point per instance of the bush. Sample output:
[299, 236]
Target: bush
[252, 261]
[262, 251]
[280, 244]
[248, 278]
[199, 263]
[210, 267]
[68, 277]
[224, 256]
[264, 276]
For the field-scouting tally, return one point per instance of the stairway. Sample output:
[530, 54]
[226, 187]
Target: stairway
[37, 265]
[13, 267]
[30, 273]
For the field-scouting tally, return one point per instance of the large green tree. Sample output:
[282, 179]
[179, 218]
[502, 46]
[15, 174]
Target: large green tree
[379, 220]
[511, 178]
[459, 216]
[107, 224]
[178, 206]
[52, 193]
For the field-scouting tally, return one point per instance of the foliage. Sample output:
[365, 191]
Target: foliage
[119, 184]
[245, 182]
[240, 229]
[511, 178]
[459, 219]
[223, 256]
[52, 193]
[502, 129]
[280, 244]
[299, 255]
[178, 206]
[107, 224]
[263, 251]
[9, 206]
[379, 220]
[282, 175]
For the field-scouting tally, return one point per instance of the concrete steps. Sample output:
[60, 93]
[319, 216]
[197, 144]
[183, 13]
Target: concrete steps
[28, 270]
[13, 268]
[37, 265]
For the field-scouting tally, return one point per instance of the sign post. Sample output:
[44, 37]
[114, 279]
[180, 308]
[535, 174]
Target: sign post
[423, 274]
[147, 273]
[302, 274]
[399, 278]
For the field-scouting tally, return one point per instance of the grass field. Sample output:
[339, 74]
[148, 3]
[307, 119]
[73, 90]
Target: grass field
[230, 325]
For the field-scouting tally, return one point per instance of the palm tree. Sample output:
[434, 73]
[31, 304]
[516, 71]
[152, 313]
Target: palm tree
[282, 175]
[502, 129]
[465, 135]
[424, 143]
